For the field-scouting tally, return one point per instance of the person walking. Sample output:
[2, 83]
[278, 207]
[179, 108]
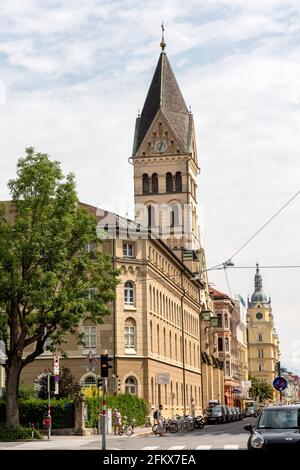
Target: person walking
[159, 420]
[117, 419]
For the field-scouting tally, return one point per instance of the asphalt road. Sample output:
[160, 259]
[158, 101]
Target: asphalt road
[230, 436]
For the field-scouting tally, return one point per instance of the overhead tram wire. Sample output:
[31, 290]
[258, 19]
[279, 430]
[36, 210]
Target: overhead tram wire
[223, 265]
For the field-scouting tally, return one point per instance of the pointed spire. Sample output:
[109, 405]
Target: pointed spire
[258, 295]
[162, 44]
[164, 94]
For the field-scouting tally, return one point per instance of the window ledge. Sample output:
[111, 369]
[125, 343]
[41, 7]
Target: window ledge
[130, 307]
[130, 351]
[87, 350]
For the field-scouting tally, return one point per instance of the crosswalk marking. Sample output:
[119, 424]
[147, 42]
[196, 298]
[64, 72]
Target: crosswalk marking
[204, 447]
[176, 448]
[150, 448]
[231, 447]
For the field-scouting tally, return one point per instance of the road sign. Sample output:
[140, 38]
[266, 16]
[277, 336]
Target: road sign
[56, 365]
[56, 386]
[163, 379]
[90, 362]
[279, 383]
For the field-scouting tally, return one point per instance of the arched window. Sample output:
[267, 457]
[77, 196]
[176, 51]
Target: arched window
[150, 297]
[152, 390]
[151, 218]
[154, 180]
[170, 341]
[158, 340]
[226, 325]
[129, 293]
[145, 183]
[169, 182]
[89, 381]
[165, 346]
[177, 393]
[130, 386]
[176, 347]
[178, 181]
[130, 334]
[151, 337]
[176, 216]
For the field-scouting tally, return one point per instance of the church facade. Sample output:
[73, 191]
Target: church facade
[161, 331]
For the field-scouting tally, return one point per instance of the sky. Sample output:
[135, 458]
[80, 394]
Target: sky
[74, 73]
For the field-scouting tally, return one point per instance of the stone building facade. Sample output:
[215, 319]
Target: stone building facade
[161, 333]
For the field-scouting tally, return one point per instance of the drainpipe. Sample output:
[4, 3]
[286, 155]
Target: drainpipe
[114, 314]
[183, 346]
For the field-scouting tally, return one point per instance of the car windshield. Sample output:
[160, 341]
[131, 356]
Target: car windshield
[214, 409]
[279, 419]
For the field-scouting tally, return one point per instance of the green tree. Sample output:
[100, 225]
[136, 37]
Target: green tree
[260, 390]
[68, 386]
[45, 269]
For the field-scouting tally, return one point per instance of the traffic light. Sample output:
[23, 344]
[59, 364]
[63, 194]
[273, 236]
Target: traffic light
[99, 382]
[105, 360]
[116, 384]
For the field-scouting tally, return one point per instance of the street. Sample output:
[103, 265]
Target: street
[230, 436]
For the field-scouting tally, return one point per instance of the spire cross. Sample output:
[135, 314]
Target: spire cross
[162, 44]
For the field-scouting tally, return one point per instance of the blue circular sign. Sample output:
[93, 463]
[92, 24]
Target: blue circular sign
[279, 383]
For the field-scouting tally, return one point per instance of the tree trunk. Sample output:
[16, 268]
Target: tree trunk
[13, 371]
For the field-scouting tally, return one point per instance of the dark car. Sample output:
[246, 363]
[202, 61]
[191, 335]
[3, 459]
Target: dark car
[233, 413]
[276, 427]
[215, 414]
[239, 413]
[230, 414]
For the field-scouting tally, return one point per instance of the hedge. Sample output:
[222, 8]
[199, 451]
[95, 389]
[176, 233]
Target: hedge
[33, 410]
[129, 406]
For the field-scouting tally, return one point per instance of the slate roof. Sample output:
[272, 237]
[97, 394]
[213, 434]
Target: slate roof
[164, 93]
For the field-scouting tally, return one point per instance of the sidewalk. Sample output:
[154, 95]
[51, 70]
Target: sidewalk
[138, 431]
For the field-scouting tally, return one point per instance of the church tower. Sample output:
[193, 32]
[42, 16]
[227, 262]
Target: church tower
[263, 348]
[165, 162]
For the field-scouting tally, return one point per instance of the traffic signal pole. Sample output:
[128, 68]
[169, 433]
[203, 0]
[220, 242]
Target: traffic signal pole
[49, 406]
[104, 414]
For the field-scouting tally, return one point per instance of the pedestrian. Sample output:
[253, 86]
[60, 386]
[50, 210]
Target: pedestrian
[158, 417]
[117, 419]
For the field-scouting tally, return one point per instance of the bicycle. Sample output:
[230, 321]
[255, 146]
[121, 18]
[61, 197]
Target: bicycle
[166, 426]
[127, 428]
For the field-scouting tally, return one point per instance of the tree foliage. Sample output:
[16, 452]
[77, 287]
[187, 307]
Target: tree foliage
[260, 390]
[45, 269]
[68, 386]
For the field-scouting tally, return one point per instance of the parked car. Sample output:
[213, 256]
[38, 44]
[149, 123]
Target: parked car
[239, 413]
[276, 427]
[228, 415]
[250, 411]
[231, 415]
[216, 414]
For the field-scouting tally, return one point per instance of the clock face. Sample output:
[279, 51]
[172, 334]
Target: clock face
[161, 146]
[259, 316]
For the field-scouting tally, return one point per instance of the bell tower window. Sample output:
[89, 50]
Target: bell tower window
[178, 181]
[145, 183]
[154, 180]
[169, 182]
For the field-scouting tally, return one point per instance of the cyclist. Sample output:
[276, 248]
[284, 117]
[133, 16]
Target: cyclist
[157, 415]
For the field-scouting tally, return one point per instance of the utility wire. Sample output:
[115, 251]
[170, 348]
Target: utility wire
[259, 230]
[219, 268]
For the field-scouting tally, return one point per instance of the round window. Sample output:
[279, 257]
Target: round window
[259, 316]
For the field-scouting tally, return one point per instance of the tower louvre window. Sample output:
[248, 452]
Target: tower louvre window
[154, 180]
[145, 183]
[178, 181]
[169, 182]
